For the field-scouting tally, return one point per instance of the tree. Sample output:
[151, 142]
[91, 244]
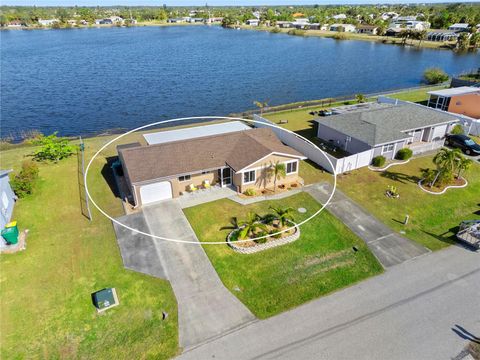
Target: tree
[463, 42]
[53, 148]
[360, 98]
[457, 130]
[283, 215]
[475, 40]
[23, 182]
[261, 105]
[434, 76]
[277, 171]
[250, 225]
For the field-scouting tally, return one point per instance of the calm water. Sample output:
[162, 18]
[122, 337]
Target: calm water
[88, 80]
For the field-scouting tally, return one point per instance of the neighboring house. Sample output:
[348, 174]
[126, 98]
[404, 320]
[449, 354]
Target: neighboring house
[196, 20]
[464, 100]
[47, 22]
[339, 17]
[284, 24]
[367, 29]
[253, 22]
[404, 23]
[7, 198]
[325, 27]
[389, 15]
[238, 159]
[116, 19]
[16, 24]
[314, 26]
[214, 20]
[386, 128]
[176, 20]
[393, 32]
[342, 27]
[459, 27]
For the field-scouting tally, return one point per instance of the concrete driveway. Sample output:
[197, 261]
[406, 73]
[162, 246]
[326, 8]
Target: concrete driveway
[389, 247]
[426, 308]
[206, 309]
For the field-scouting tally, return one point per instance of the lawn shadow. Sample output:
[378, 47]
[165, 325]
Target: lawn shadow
[399, 177]
[107, 173]
[81, 185]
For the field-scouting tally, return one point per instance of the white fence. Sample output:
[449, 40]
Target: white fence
[293, 140]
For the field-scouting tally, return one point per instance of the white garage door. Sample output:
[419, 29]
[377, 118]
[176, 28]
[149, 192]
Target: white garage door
[156, 192]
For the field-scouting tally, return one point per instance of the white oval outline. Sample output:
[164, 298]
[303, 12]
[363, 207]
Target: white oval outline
[205, 118]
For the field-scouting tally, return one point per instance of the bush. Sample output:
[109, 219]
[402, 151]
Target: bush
[434, 76]
[404, 154]
[250, 192]
[457, 130]
[23, 182]
[378, 161]
[275, 30]
[296, 32]
[53, 148]
[340, 36]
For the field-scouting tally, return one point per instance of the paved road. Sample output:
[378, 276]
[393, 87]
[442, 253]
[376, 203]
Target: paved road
[389, 247]
[206, 309]
[416, 310]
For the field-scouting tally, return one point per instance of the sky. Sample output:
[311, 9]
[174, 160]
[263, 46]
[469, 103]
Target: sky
[201, 2]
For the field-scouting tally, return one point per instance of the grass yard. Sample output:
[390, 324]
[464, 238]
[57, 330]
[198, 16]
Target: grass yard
[419, 95]
[45, 298]
[433, 218]
[275, 280]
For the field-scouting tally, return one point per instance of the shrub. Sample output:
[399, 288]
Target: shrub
[378, 161]
[53, 148]
[296, 32]
[457, 130]
[404, 154]
[434, 76]
[23, 182]
[250, 192]
[340, 36]
[275, 30]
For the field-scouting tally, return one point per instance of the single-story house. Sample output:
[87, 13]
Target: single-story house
[459, 27]
[239, 159]
[386, 128]
[47, 22]
[410, 24]
[7, 201]
[442, 35]
[253, 22]
[393, 32]
[16, 24]
[367, 29]
[342, 27]
[339, 17]
[463, 100]
[196, 20]
[284, 24]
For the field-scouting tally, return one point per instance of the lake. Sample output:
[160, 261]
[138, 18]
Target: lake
[86, 81]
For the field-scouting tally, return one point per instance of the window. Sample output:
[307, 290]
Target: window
[205, 172]
[292, 167]
[184, 178]
[387, 148]
[249, 177]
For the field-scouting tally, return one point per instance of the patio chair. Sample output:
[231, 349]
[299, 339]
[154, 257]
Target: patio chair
[206, 184]
[192, 188]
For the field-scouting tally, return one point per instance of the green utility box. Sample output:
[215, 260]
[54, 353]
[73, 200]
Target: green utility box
[10, 233]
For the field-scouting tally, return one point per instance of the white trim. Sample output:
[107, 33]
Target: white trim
[387, 151]
[254, 177]
[273, 153]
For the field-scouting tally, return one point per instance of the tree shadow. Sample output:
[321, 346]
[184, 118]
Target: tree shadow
[400, 177]
[81, 186]
[108, 176]
[451, 239]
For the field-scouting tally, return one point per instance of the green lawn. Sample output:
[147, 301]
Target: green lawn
[275, 280]
[419, 95]
[45, 298]
[433, 218]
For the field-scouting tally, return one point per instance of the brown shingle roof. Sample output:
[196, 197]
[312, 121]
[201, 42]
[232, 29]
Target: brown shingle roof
[236, 149]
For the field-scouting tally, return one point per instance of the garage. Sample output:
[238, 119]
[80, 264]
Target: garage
[155, 192]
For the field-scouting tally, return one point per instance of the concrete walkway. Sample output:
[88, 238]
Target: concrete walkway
[422, 309]
[389, 247]
[206, 309]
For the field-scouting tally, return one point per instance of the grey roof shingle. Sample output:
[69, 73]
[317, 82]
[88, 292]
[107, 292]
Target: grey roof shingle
[387, 123]
[236, 149]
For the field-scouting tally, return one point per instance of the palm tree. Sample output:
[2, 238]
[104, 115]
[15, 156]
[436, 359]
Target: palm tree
[250, 225]
[463, 165]
[283, 215]
[360, 98]
[463, 42]
[446, 160]
[420, 36]
[261, 105]
[278, 171]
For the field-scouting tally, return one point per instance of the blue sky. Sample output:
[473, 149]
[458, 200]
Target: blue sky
[198, 2]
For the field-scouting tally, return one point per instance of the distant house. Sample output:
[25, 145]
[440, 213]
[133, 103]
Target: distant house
[342, 27]
[459, 27]
[393, 32]
[284, 24]
[463, 100]
[383, 129]
[389, 15]
[196, 20]
[176, 20]
[16, 24]
[325, 27]
[314, 26]
[407, 23]
[116, 19]
[47, 22]
[339, 17]
[367, 29]
[214, 20]
[301, 23]
[253, 22]
[7, 198]
[442, 35]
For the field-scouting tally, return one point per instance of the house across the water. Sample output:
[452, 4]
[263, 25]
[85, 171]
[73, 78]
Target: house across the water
[220, 156]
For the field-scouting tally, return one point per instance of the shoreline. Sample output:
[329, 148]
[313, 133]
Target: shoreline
[105, 26]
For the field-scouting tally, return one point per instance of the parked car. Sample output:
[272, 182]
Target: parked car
[464, 143]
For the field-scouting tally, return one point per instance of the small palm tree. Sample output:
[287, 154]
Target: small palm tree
[360, 98]
[283, 215]
[250, 225]
[278, 171]
[261, 105]
[463, 165]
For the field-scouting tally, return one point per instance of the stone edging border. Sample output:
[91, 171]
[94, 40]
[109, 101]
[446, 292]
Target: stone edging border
[389, 165]
[444, 190]
[265, 246]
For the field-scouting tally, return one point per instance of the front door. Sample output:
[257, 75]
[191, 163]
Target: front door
[225, 176]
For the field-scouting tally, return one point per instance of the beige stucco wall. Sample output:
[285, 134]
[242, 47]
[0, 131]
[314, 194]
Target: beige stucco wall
[269, 160]
[468, 104]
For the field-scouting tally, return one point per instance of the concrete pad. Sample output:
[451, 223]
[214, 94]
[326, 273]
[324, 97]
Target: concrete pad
[139, 252]
[388, 247]
[206, 309]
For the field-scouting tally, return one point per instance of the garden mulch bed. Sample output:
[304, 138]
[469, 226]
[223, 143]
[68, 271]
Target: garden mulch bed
[439, 189]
